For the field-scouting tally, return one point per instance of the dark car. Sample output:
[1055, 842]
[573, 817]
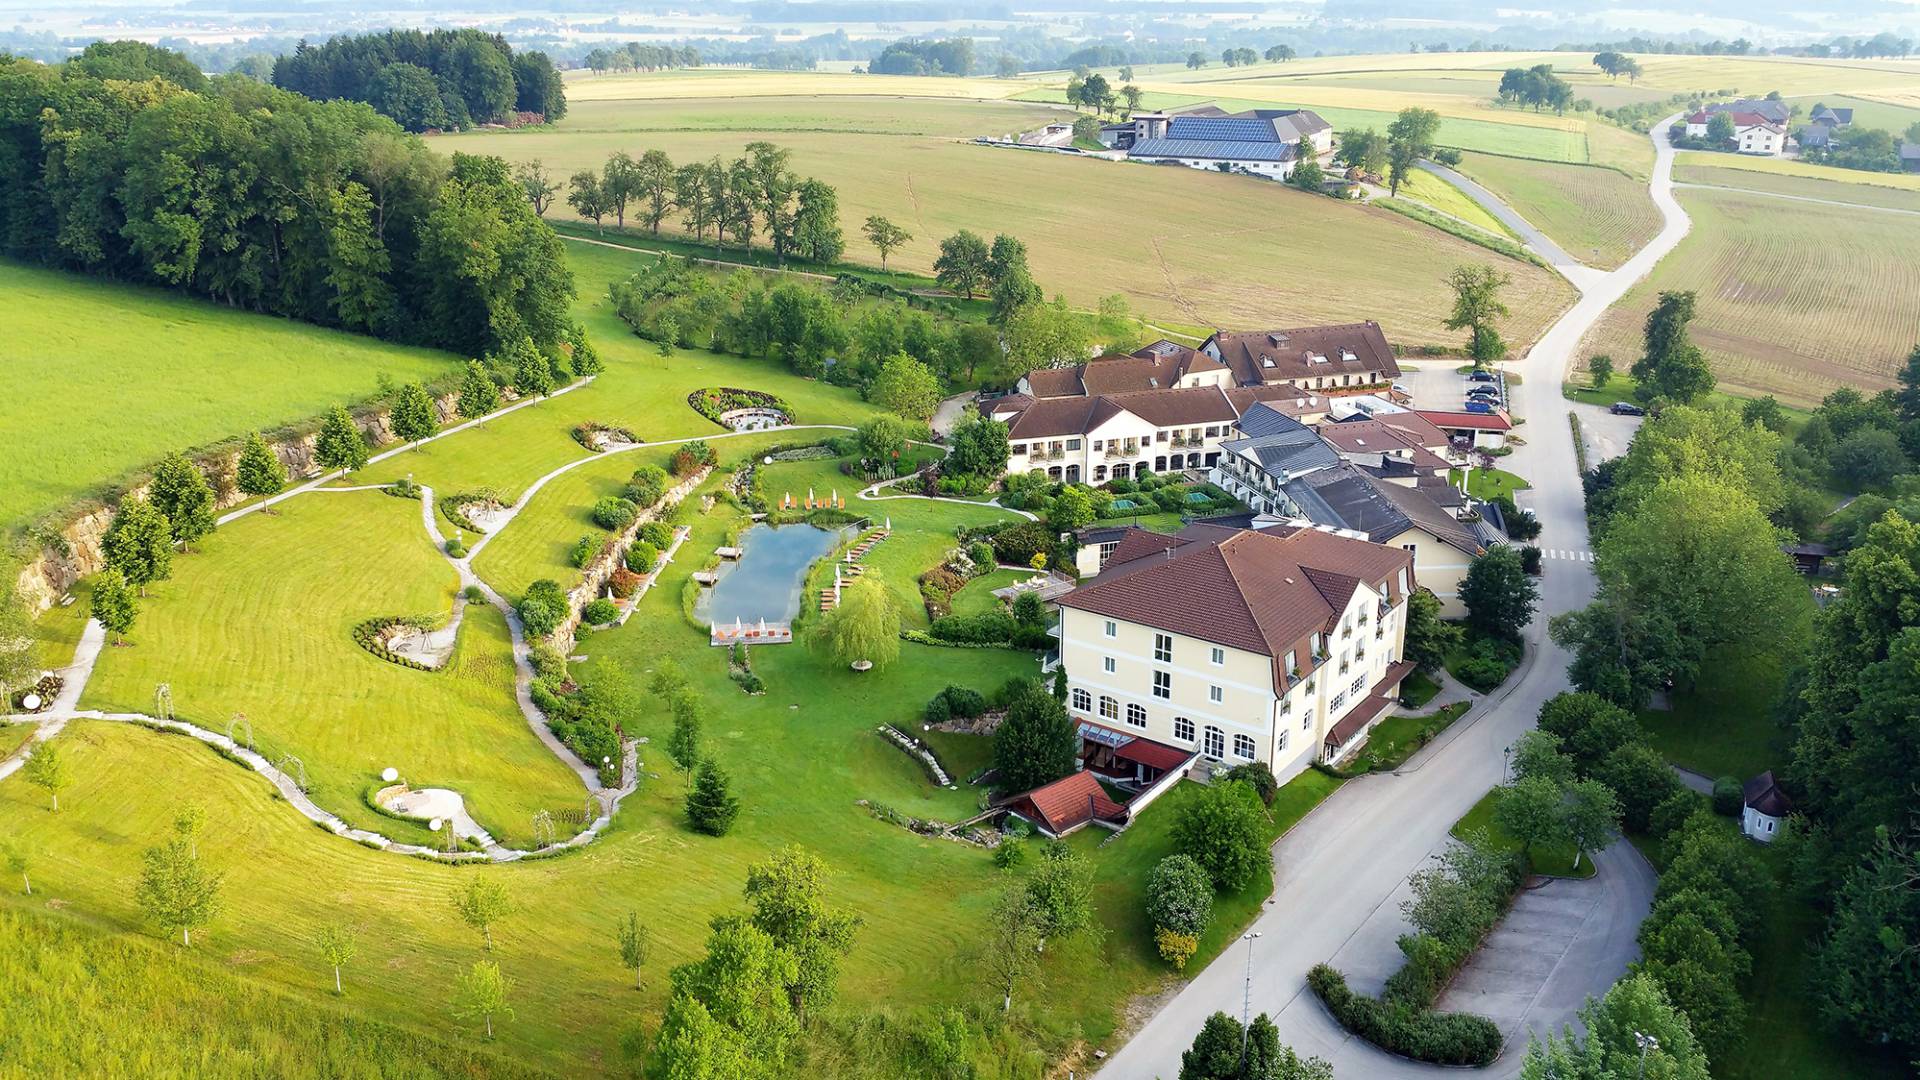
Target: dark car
[1482, 376]
[1483, 391]
[1627, 408]
[1479, 407]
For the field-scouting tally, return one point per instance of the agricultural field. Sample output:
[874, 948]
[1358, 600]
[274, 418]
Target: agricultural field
[203, 373]
[1790, 303]
[1425, 187]
[1583, 208]
[1695, 169]
[1207, 270]
[685, 83]
[1754, 171]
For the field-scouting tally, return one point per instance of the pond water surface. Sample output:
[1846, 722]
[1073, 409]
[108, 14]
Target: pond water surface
[767, 580]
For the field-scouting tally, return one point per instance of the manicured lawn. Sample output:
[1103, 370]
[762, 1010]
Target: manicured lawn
[1582, 207]
[976, 596]
[1621, 386]
[1395, 739]
[1125, 861]
[1419, 689]
[1725, 727]
[963, 755]
[1425, 187]
[124, 375]
[916, 172]
[13, 737]
[1489, 483]
[1554, 860]
[639, 391]
[260, 622]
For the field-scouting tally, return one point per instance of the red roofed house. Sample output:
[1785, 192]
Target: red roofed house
[1753, 133]
[1067, 805]
[1279, 645]
[1487, 429]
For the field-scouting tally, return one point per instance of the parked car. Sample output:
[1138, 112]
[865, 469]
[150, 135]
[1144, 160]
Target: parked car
[1479, 407]
[1485, 399]
[1483, 391]
[1627, 408]
[1482, 376]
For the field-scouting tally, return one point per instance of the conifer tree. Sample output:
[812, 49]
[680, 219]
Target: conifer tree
[711, 806]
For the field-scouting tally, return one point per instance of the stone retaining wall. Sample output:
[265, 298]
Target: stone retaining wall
[614, 556]
[74, 551]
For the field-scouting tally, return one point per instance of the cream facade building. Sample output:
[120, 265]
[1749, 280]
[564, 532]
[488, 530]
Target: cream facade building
[1281, 645]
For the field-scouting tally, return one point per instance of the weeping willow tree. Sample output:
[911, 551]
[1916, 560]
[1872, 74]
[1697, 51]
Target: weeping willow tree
[865, 625]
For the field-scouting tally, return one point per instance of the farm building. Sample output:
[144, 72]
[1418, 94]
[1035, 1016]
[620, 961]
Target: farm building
[1262, 142]
[1753, 132]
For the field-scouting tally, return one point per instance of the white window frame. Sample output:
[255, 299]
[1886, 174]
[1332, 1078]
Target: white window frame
[1163, 685]
[1214, 743]
[1108, 664]
[1112, 629]
[1136, 715]
[1082, 701]
[1216, 694]
[1183, 729]
[1219, 656]
[1163, 648]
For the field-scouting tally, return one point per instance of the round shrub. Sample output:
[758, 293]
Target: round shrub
[623, 583]
[657, 533]
[474, 594]
[1179, 896]
[981, 553]
[456, 549]
[614, 513]
[648, 485]
[547, 661]
[642, 557]
[1728, 797]
[1175, 948]
[938, 712]
[585, 550]
[543, 607]
[600, 612]
[963, 702]
[1011, 852]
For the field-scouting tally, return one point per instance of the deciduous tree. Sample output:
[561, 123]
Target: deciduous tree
[865, 625]
[413, 415]
[336, 946]
[139, 544]
[905, 386]
[636, 943]
[481, 994]
[341, 446]
[787, 895]
[181, 493]
[19, 862]
[540, 186]
[113, 604]
[1036, 744]
[1672, 368]
[683, 745]
[1221, 829]
[1409, 138]
[1477, 307]
[654, 186]
[175, 890]
[482, 903]
[478, 393]
[962, 265]
[1592, 816]
[1010, 950]
[1529, 811]
[885, 236]
[1499, 594]
[260, 471]
[47, 769]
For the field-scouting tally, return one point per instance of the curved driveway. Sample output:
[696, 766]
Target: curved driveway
[1340, 873]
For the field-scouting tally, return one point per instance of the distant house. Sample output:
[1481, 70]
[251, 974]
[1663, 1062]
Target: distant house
[1910, 157]
[1753, 132]
[1263, 142]
[1769, 109]
[1765, 808]
[1056, 134]
[1117, 136]
[1807, 558]
[1067, 805]
[1487, 430]
[1831, 118]
[1313, 357]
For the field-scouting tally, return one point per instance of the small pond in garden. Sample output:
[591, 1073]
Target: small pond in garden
[767, 581]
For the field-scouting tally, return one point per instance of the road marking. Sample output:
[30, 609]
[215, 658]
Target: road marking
[1569, 556]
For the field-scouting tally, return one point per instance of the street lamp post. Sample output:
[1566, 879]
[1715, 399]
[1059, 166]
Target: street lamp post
[1246, 1000]
[1645, 1042]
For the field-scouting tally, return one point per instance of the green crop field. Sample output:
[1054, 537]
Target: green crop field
[1424, 187]
[1764, 167]
[1581, 207]
[1790, 302]
[123, 375]
[1705, 169]
[1213, 268]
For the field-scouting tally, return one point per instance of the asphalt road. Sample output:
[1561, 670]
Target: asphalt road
[1340, 873]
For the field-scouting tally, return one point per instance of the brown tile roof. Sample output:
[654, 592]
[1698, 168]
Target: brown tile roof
[1054, 417]
[1050, 417]
[1764, 795]
[1055, 382]
[1423, 430]
[1288, 355]
[1356, 720]
[1374, 437]
[1264, 592]
[1432, 517]
[1286, 397]
[1067, 803]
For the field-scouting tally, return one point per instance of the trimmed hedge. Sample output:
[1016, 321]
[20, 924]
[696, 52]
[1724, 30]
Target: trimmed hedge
[1399, 1028]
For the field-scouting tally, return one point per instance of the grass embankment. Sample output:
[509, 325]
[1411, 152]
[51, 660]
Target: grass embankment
[1584, 208]
[1488, 483]
[1621, 388]
[124, 375]
[1553, 860]
[1425, 187]
[933, 184]
[1725, 726]
[1780, 304]
[976, 596]
[84, 1003]
[260, 622]
[1397, 738]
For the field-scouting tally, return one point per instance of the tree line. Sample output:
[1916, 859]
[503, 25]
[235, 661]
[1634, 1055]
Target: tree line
[428, 80]
[262, 199]
[1536, 87]
[641, 56]
[757, 194]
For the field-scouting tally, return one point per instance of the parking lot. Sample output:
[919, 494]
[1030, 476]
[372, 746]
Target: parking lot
[1435, 384]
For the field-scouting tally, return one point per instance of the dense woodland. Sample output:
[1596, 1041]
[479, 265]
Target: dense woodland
[128, 167]
[427, 81]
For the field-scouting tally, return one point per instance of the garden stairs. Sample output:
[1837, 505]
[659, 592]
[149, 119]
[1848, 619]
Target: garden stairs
[850, 566]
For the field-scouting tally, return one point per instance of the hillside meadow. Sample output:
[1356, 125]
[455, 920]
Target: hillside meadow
[1792, 300]
[1596, 214]
[119, 376]
[1191, 247]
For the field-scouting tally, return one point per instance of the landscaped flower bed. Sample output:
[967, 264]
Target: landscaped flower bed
[599, 437]
[715, 402]
[373, 635]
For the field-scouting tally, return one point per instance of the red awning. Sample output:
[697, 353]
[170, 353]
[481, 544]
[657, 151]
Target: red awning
[1357, 720]
[1154, 755]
